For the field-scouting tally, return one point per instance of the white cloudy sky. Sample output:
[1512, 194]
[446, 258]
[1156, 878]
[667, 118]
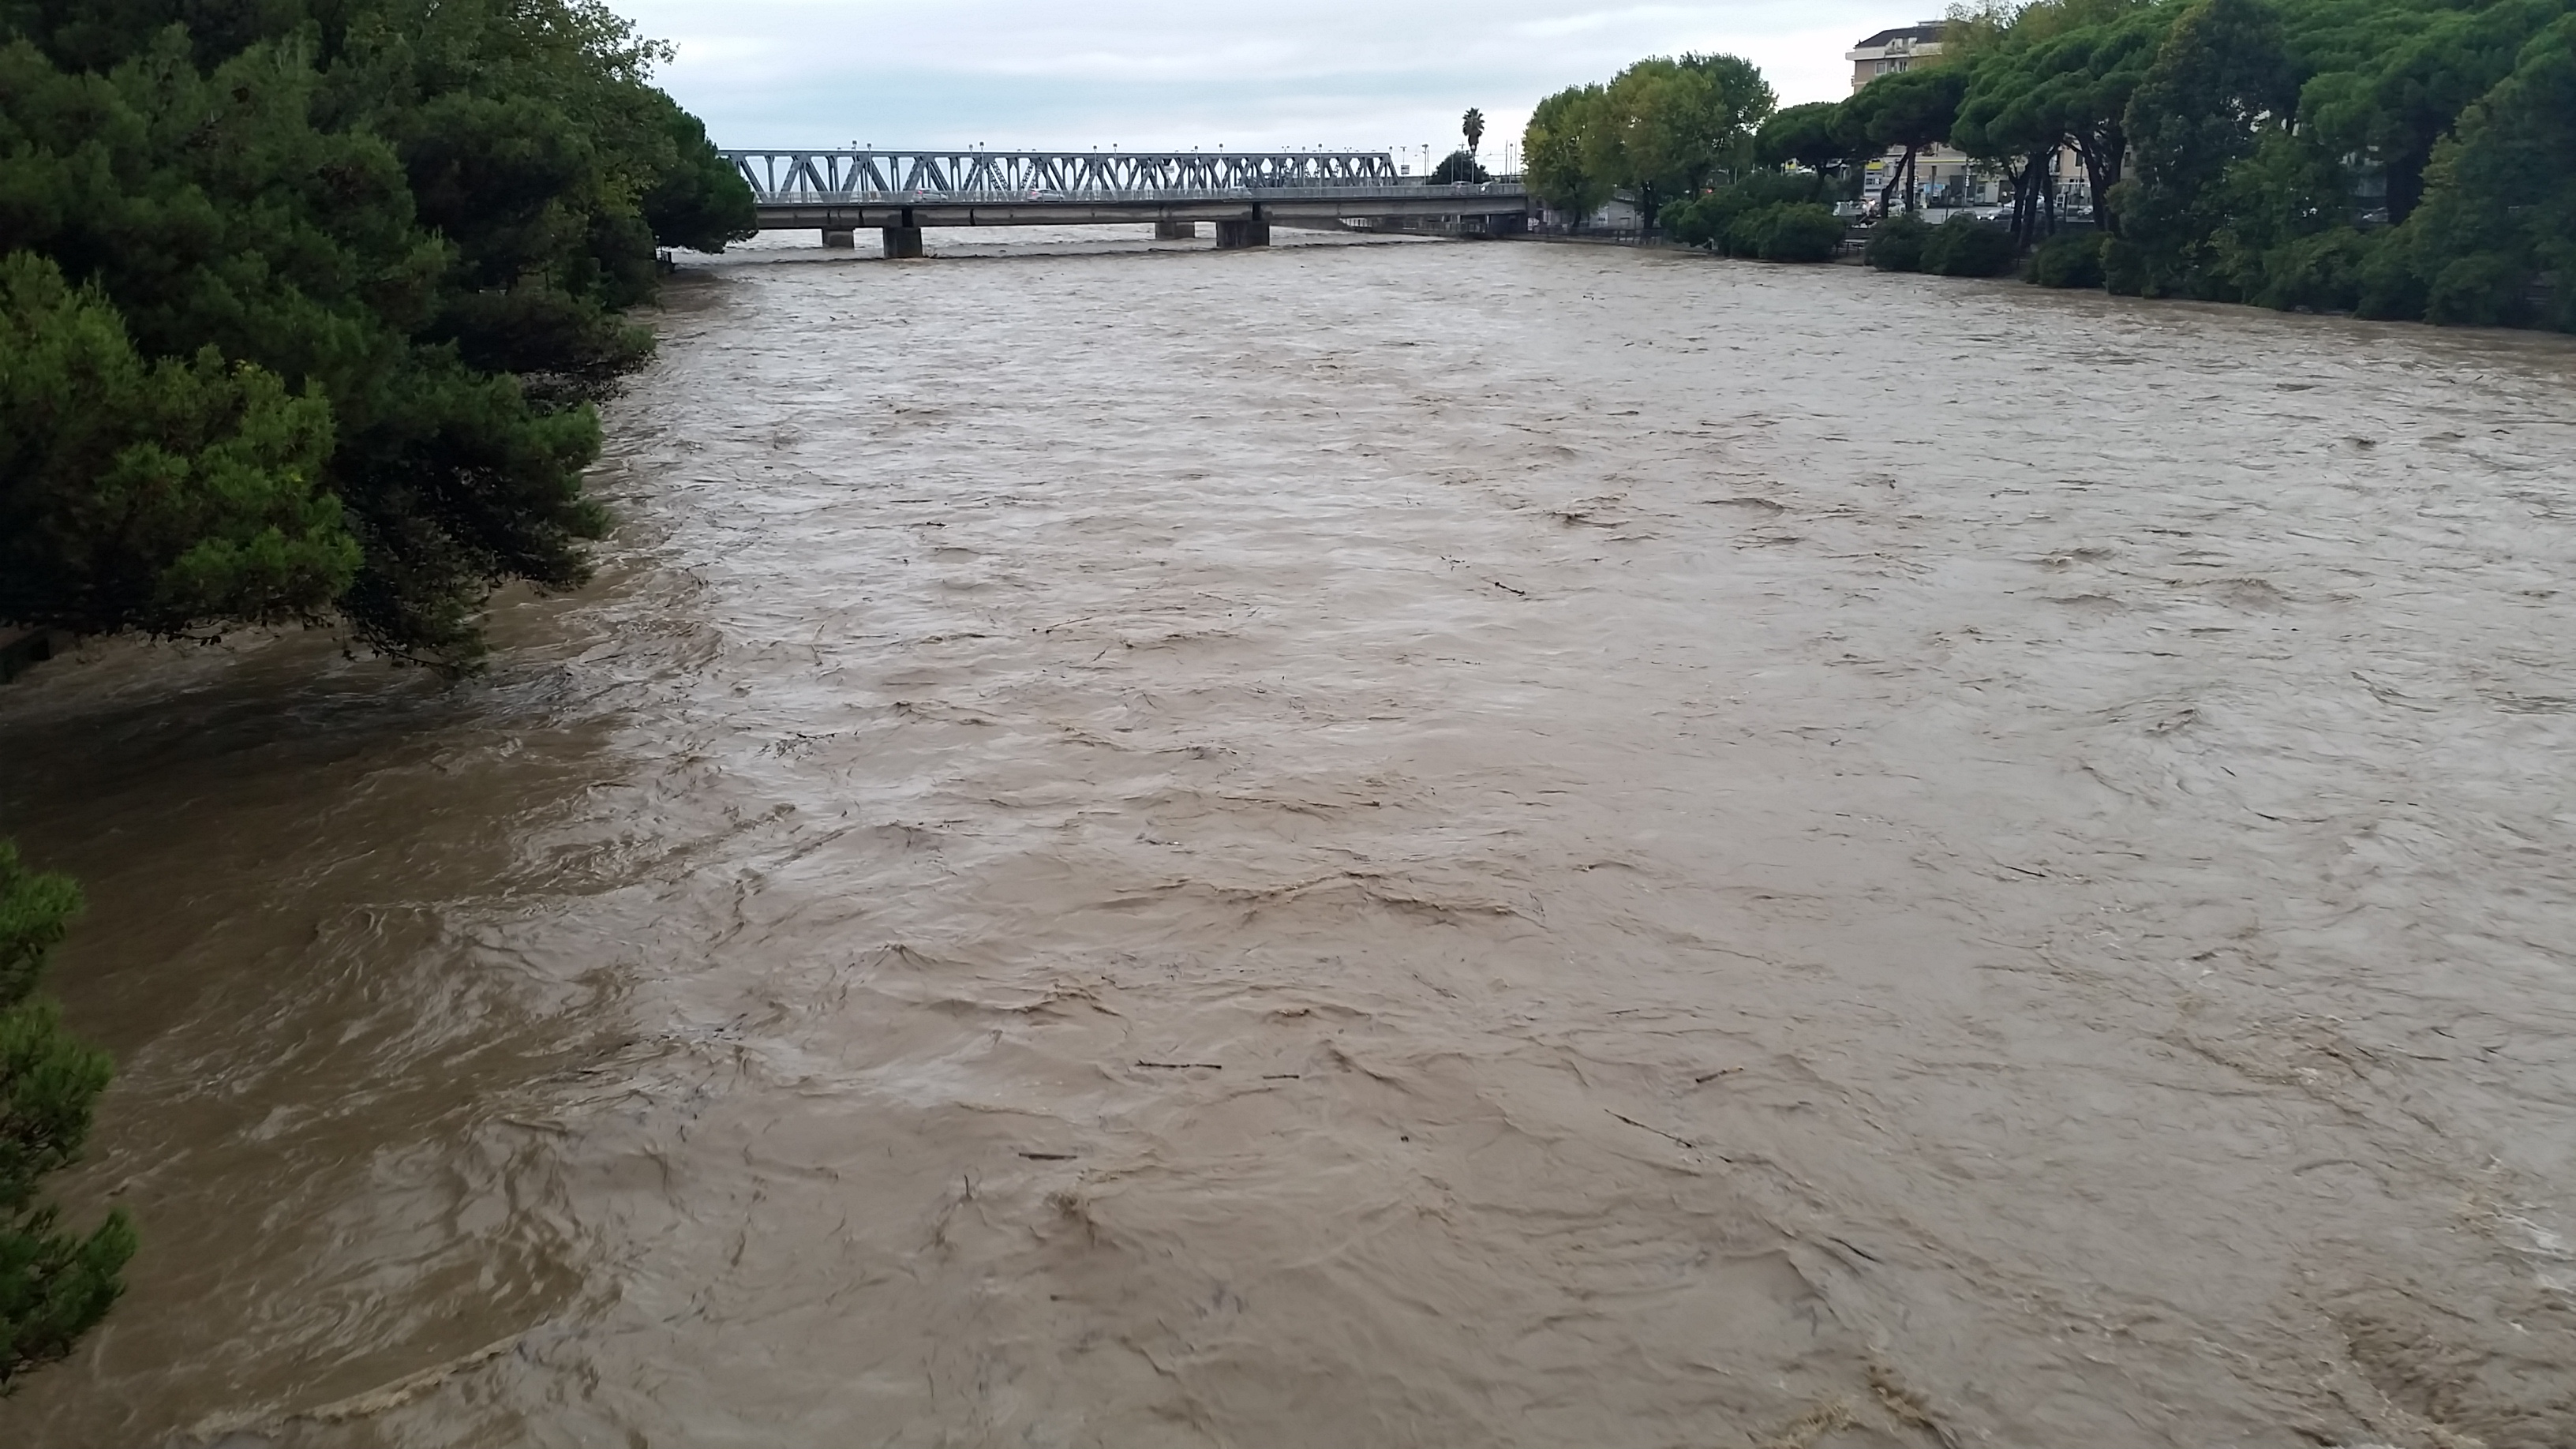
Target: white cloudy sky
[1155, 73]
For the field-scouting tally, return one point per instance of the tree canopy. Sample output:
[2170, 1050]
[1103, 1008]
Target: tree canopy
[1659, 129]
[2399, 158]
[336, 282]
[1812, 135]
[1904, 112]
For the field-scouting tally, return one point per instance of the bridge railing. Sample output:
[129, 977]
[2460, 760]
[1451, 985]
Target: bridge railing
[1095, 176]
[1396, 187]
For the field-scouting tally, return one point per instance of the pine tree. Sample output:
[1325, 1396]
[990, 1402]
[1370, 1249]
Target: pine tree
[55, 1283]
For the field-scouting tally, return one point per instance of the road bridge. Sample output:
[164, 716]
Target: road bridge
[1242, 192]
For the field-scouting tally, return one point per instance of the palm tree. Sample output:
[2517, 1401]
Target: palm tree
[1473, 123]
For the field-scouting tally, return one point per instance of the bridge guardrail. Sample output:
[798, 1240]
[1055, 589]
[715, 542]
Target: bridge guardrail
[1094, 196]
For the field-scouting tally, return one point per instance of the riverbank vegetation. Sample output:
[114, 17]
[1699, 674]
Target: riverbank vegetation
[305, 304]
[55, 1282]
[304, 308]
[1664, 128]
[2407, 159]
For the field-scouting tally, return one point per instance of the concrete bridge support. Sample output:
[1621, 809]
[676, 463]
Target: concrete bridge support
[902, 241]
[843, 238]
[1236, 235]
[1176, 231]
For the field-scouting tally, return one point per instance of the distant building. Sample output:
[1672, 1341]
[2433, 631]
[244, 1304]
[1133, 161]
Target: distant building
[1943, 176]
[1890, 51]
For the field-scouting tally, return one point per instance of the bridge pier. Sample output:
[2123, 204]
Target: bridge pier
[842, 237]
[901, 242]
[1236, 235]
[1176, 231]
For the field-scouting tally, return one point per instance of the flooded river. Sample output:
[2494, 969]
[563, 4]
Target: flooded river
[1385, 844]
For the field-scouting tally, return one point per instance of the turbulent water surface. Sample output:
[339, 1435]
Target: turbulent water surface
[1385, 844]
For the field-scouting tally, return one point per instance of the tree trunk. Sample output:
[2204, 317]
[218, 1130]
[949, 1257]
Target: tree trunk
[2103, 154]
[2405, 176]
[1896, 178]
[2097, 176]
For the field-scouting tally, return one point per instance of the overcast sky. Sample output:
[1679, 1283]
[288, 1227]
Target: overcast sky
[1154, 73]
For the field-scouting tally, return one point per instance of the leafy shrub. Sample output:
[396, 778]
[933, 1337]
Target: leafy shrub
[1966, 247]
[2126, 268]
[2392, 287]
[2320, 273]
[2069, 259]
[1708, 219]
[1896, 244]
[2483, 289]
[1787, 231]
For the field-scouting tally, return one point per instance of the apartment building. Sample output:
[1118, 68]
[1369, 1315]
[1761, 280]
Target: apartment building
[1890, 51]
[1943, 176]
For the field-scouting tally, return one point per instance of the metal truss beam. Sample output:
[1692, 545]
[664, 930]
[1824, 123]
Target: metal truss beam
[933, 177]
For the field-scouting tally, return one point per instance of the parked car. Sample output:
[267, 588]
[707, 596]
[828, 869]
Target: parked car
[1851, 210]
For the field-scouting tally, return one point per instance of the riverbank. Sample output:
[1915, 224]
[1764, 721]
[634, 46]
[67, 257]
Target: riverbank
[2538, 302]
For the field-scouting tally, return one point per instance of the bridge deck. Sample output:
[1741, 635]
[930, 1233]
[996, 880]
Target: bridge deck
[848, 190]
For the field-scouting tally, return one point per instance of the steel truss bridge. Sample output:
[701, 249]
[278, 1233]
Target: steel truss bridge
[1243, 192]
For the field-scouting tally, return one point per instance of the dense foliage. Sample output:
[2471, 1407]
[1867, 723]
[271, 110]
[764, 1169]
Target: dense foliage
[306, 302]
[1456, 168]
[1662, 128]
[2396, 158]
[2399, 158]
[1770, 215]
[2069, 259]
[55, 1283]
[1896, 244]
[1966, 247]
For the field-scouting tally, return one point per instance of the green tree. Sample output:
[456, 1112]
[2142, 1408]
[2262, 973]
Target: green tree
[1556, 148]
[1671, 123]
[2062, 74]
[2266, 141]
[1813, 135]
[696, 198]
[2499, 208]
[1716, 219]
[2387, 81]
[1909, 110]
[2220, 81]
[55, 1283]
[1457, 167]
[1472, 126]
[431, 214]
[166, 497]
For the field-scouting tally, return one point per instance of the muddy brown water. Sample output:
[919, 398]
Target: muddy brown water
[1400, 844]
